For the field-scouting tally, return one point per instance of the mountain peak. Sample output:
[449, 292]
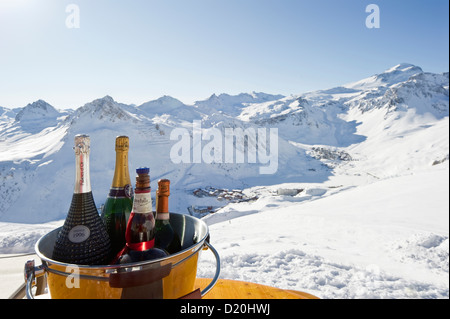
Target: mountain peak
[241, 98]
[396, 74]
[399, 73]
[37, 110]
[105, 99]
[233, 104]
[404, 66]
[163, 104]
[39, 104]
[405, 69]
[104, 107]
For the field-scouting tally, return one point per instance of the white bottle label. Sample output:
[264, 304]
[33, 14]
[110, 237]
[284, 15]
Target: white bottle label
[142, 203]
[79, 233]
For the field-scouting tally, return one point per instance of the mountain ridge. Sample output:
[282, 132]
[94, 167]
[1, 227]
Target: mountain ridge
[397, 74]
[320, 134]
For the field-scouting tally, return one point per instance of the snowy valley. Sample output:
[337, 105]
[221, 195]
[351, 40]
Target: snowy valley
[358, 206]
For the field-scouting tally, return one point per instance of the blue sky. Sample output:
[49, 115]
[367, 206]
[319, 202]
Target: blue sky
[140, 50]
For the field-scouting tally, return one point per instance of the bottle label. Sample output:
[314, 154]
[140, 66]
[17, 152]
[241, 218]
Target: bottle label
[142, 203]
[79, 233]
[119, 192]
[128, 189]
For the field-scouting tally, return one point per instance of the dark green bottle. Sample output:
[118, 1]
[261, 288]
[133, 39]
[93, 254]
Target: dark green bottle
[166, 238]
[119, 203]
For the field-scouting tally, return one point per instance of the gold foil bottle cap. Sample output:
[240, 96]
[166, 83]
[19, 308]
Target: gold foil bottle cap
[82, 144]
[122, 143]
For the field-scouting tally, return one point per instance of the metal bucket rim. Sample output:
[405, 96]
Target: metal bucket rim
[193, 248]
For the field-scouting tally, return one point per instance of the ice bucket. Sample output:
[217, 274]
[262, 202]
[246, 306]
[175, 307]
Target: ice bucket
[171, 277]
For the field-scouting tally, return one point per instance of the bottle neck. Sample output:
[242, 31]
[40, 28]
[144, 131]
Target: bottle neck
[121, 172]
[82, 178]
[162, 207]
[121, 184]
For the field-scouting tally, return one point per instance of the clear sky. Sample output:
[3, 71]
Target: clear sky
[140, 50]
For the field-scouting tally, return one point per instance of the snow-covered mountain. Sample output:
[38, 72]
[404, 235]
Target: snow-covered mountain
[232, 104]
[356, 119]
[357, 207]
[399, 73]
[162, 105]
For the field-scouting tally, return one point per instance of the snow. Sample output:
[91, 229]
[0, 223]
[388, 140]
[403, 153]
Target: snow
[388, 239]
[359, 206]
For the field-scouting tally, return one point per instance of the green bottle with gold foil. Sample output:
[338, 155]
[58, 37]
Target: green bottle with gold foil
[119, 202]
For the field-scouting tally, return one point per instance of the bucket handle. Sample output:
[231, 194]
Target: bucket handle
[198, 294]
[33, 277]
[216, 275]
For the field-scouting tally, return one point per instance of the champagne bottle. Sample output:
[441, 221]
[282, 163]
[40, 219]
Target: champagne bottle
[119, 202]
[83, 239]
[165, 237]
[140, 232]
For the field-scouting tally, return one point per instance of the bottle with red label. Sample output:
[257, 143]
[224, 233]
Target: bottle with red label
[140, 232]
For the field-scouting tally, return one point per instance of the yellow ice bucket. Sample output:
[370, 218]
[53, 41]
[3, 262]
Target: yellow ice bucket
[171, 277]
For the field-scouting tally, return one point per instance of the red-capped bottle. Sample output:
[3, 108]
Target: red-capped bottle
[140, 232]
